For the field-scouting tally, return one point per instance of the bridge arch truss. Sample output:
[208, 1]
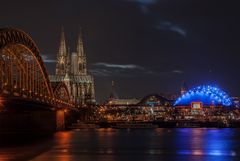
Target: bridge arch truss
[22, 71]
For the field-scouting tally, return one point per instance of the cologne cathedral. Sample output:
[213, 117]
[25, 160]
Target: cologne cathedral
[71, 69]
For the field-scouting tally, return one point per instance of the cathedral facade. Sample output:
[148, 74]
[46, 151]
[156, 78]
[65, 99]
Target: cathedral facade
[71, 69]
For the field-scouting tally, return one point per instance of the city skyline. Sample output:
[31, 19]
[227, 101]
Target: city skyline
[119, 80]
[152, 45]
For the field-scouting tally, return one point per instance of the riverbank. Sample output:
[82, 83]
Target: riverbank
[156, 124]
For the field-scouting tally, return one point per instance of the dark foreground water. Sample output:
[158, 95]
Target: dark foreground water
[130, 145]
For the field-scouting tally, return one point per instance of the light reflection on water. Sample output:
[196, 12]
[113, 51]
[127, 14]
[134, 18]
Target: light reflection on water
[123, 145]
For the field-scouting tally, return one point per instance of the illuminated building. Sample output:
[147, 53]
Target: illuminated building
[115, 101]
[72, 70]
[154, 100]
[236, 101]
[124, 102]
[204, 96]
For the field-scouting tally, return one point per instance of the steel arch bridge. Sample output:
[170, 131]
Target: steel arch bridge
[61, 92]
[23, 73]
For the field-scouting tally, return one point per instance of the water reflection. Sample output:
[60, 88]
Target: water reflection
[23, 148]
[118, 145]
[207, 143]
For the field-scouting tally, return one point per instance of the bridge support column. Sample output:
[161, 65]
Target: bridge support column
[60, 119]
[31, 123]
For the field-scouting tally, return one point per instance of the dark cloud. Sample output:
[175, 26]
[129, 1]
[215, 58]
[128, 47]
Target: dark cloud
[144, 4]
[121, 66]
[178, 71]
[100, 72]
[119, 70]
[46, 59]
[171, 27]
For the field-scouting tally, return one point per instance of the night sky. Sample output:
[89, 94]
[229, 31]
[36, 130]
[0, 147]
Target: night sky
[145, 46]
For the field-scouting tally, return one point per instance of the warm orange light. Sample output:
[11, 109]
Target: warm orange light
[60, 119]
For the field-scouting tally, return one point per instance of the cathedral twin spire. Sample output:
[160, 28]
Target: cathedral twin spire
[61, 65]
[81, 61]
[78, 61]
[62, 48]
[80, 44]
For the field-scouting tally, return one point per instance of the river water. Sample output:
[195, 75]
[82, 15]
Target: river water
[178, 144]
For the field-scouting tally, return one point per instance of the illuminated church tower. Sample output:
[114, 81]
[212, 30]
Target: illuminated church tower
[82, 61]
[73, 72]
[83, 91]
[62, 57]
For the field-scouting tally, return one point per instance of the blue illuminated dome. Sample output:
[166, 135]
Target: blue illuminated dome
[208, 95]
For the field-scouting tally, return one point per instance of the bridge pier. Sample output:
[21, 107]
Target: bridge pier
[27, 122]
[19, 116]
[60, 120]
[34, 122]
[65, 118]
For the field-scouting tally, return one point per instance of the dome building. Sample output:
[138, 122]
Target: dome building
[204, 96]
[154, 100]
